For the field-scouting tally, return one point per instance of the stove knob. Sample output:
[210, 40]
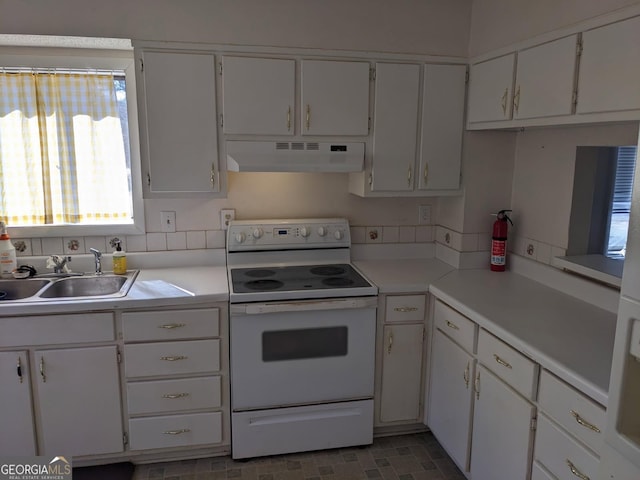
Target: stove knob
[240, 237]
[257, 233]
[338, 234]
[322, 231]
[305, 232]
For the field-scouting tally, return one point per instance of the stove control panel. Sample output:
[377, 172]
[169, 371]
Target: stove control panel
[288, 234]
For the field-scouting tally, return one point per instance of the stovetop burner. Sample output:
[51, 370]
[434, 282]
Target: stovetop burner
[296, 278]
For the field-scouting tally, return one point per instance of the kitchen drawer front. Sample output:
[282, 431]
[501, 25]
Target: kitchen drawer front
[563, 456]
[57, 329]
[171, 324]
[175, 431]
[174, 395]
[405, 308]
[538, 472]
[576, 412]
[172, 358]
[455, 325]
[518, 371]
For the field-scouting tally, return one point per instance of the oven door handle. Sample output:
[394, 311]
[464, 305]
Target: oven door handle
[305, 305]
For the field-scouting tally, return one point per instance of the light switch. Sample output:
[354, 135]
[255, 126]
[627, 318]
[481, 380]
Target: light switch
[168, 222]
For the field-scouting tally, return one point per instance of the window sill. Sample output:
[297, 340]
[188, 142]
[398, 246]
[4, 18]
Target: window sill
[597, 267]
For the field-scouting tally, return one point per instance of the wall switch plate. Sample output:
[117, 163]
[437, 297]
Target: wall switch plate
[168, 222]
[226, 215]
[424, 215]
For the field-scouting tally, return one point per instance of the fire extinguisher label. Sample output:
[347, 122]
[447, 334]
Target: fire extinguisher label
[498, 252]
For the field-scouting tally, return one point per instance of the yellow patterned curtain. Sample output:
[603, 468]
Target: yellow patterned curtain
[62, 155]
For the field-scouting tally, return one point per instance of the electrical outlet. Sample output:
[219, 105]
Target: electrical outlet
[424, 215]
[168, 222]
[226, 215]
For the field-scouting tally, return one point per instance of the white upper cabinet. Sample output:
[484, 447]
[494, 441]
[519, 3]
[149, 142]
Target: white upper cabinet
[491, 89]
[545, 79]
[395, 126]
[442, 125]
[258, 95]
[178, 122]
[609, 77]
[335, 98]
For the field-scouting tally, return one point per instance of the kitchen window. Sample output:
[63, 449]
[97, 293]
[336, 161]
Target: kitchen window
[69, 162]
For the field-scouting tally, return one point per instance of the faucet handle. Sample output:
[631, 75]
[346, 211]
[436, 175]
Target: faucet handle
[96, 252]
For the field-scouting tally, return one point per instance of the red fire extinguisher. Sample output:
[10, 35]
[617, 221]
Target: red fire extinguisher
[499, 241]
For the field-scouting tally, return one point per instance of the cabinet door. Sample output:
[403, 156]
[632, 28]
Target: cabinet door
[395, 126]
[610, 68]
[258, 95]
[16, 417]
[401, 373]
[545, 79]
[179, 130]
[79, 401]
[502, 434]
[451, 398]
[442, 124]
[491, 89]
[335, 98]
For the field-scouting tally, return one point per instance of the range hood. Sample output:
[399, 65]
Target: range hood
[256, 156]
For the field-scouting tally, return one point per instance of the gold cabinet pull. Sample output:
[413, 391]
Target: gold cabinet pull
[308, 119]
[516, 100]
[576, 472]
[425, 175]
[452, 325]
[476, 386]
[501, 361]
[19, 369]
[42, 374]
[172, 396]
[504, 101]
[213, 176]
[583, 422]
[409, 176]
[465, 375]
[289, 119]
[405, 309]
[177, 432]
[171, 326]
[174, 358]
[390, 343]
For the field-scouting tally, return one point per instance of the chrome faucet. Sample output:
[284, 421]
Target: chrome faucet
[59, 263]
[97, 254]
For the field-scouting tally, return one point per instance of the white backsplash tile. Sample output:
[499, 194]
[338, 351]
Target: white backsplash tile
[136, 243]
[98, 243]
[407, 234]
[196, 240]
[358, 234]
[36, 246]
[156, 242]
[373, 235]
[73, 245]
[22, 246]
[216, 238]
[177, 241]
[52, 246]
[390, 234]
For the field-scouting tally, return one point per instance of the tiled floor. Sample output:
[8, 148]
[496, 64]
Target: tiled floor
[406, 457]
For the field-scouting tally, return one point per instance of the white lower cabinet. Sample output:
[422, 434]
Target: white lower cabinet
[502, 430]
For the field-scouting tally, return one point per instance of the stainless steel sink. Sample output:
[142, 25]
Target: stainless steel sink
[107, 285]
[20, 289]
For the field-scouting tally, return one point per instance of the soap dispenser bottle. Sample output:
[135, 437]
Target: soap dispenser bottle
[8, 261]
[119, 260]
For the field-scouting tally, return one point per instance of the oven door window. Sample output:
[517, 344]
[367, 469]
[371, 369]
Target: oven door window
[304, 343]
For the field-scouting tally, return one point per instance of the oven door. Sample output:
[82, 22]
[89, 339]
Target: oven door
[302, 352]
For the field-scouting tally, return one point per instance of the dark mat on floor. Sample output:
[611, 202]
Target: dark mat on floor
[112, 471]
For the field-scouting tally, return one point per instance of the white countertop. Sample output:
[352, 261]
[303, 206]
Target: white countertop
[403, 275]
[569, 337]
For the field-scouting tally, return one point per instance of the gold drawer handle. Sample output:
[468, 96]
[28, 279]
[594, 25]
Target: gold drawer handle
[405, 309]
[174, 358]
[583, 422]
[177, 432]
[501, 361]
[170, 326]
[576, 472]
[175, 395]
[466, 375]
[452, 325]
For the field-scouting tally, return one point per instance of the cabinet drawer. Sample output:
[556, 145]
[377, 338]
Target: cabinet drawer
[57, 329]
[518, 371]
[172, 358]
[564, 457]
[175, 430]
[576, 412]
[171, 324]
[173, 395]
[455, 325]
[405, 308]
